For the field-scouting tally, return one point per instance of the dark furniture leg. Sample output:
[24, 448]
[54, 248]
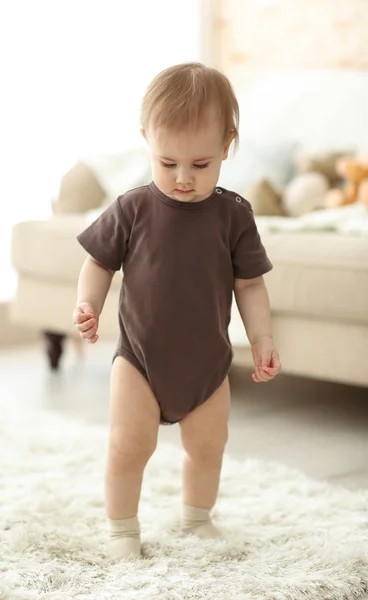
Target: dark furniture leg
[54, 347]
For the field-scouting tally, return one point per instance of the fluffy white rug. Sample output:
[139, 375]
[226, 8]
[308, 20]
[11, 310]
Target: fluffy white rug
[288, 537]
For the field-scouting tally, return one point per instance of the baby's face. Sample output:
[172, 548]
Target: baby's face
[186, 164]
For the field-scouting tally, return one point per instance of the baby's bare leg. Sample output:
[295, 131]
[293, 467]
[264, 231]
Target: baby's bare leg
[204, 435]
[134, 422]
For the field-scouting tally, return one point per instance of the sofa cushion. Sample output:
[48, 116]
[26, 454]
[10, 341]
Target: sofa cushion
[97, 179]
[79, 190]
[322, 275]
[265, 200]
[49, 249]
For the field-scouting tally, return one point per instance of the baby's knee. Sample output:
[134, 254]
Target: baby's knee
[129, 450]
[206, 449]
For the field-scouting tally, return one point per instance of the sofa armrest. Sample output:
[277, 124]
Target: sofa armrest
[79, 191]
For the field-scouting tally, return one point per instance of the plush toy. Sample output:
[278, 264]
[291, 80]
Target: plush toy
[304, 193]
[322, 162]
[315, 174]
[363, 193]
[354, 171]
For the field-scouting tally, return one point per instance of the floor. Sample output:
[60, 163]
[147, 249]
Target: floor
[317, 427]
[320, 428]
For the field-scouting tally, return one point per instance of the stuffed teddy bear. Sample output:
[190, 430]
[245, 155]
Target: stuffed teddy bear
[354, 172]
[363, 193]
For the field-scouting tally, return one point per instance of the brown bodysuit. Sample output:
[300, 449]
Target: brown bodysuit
[179, 261]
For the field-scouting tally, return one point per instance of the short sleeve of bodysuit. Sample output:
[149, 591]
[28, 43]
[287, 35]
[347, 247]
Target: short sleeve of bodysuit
[249, 256]
[106, 239]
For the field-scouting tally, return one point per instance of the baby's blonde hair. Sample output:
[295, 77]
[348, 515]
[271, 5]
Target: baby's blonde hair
[181, 96]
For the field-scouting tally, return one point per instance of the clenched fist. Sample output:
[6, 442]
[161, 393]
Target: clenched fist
[86, 322]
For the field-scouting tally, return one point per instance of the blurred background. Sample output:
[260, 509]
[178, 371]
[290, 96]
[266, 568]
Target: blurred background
[73, 74]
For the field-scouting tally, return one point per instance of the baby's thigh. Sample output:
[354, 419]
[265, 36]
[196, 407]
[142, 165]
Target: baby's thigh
[134, 411]
[205, 429]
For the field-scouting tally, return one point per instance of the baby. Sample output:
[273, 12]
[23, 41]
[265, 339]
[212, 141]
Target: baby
[185, 246]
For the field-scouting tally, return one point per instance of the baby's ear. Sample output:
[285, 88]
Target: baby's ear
[227, 147]
[143, 132]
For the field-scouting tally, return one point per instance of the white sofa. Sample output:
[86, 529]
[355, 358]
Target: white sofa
[319, 285]
[318, 291]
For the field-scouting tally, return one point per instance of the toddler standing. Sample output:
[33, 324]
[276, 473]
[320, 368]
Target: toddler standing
[185, 245]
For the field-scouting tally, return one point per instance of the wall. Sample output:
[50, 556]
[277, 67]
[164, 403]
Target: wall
[252, 35]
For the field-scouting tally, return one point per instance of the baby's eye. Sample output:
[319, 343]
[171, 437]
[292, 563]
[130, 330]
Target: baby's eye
[168, 165]
[201, 166]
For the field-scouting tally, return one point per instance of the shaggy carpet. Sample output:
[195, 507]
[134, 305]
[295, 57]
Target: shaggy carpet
[287, 536]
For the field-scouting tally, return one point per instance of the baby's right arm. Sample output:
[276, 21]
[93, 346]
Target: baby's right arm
[93, 285]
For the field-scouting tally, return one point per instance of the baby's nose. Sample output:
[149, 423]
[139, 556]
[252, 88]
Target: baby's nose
[184, 176]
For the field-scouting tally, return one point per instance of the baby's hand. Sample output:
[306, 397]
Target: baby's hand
[86, 322]
[266, 360]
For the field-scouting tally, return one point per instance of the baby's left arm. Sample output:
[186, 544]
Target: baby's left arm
[254, 307]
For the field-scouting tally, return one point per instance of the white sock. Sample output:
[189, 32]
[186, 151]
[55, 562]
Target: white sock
[197, 521]
[125, 539]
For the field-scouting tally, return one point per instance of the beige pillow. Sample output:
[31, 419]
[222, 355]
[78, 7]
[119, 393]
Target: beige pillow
[264, 199]
[79, 191]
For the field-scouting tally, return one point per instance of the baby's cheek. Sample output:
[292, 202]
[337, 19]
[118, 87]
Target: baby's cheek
[211, 178]
[163, 178]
